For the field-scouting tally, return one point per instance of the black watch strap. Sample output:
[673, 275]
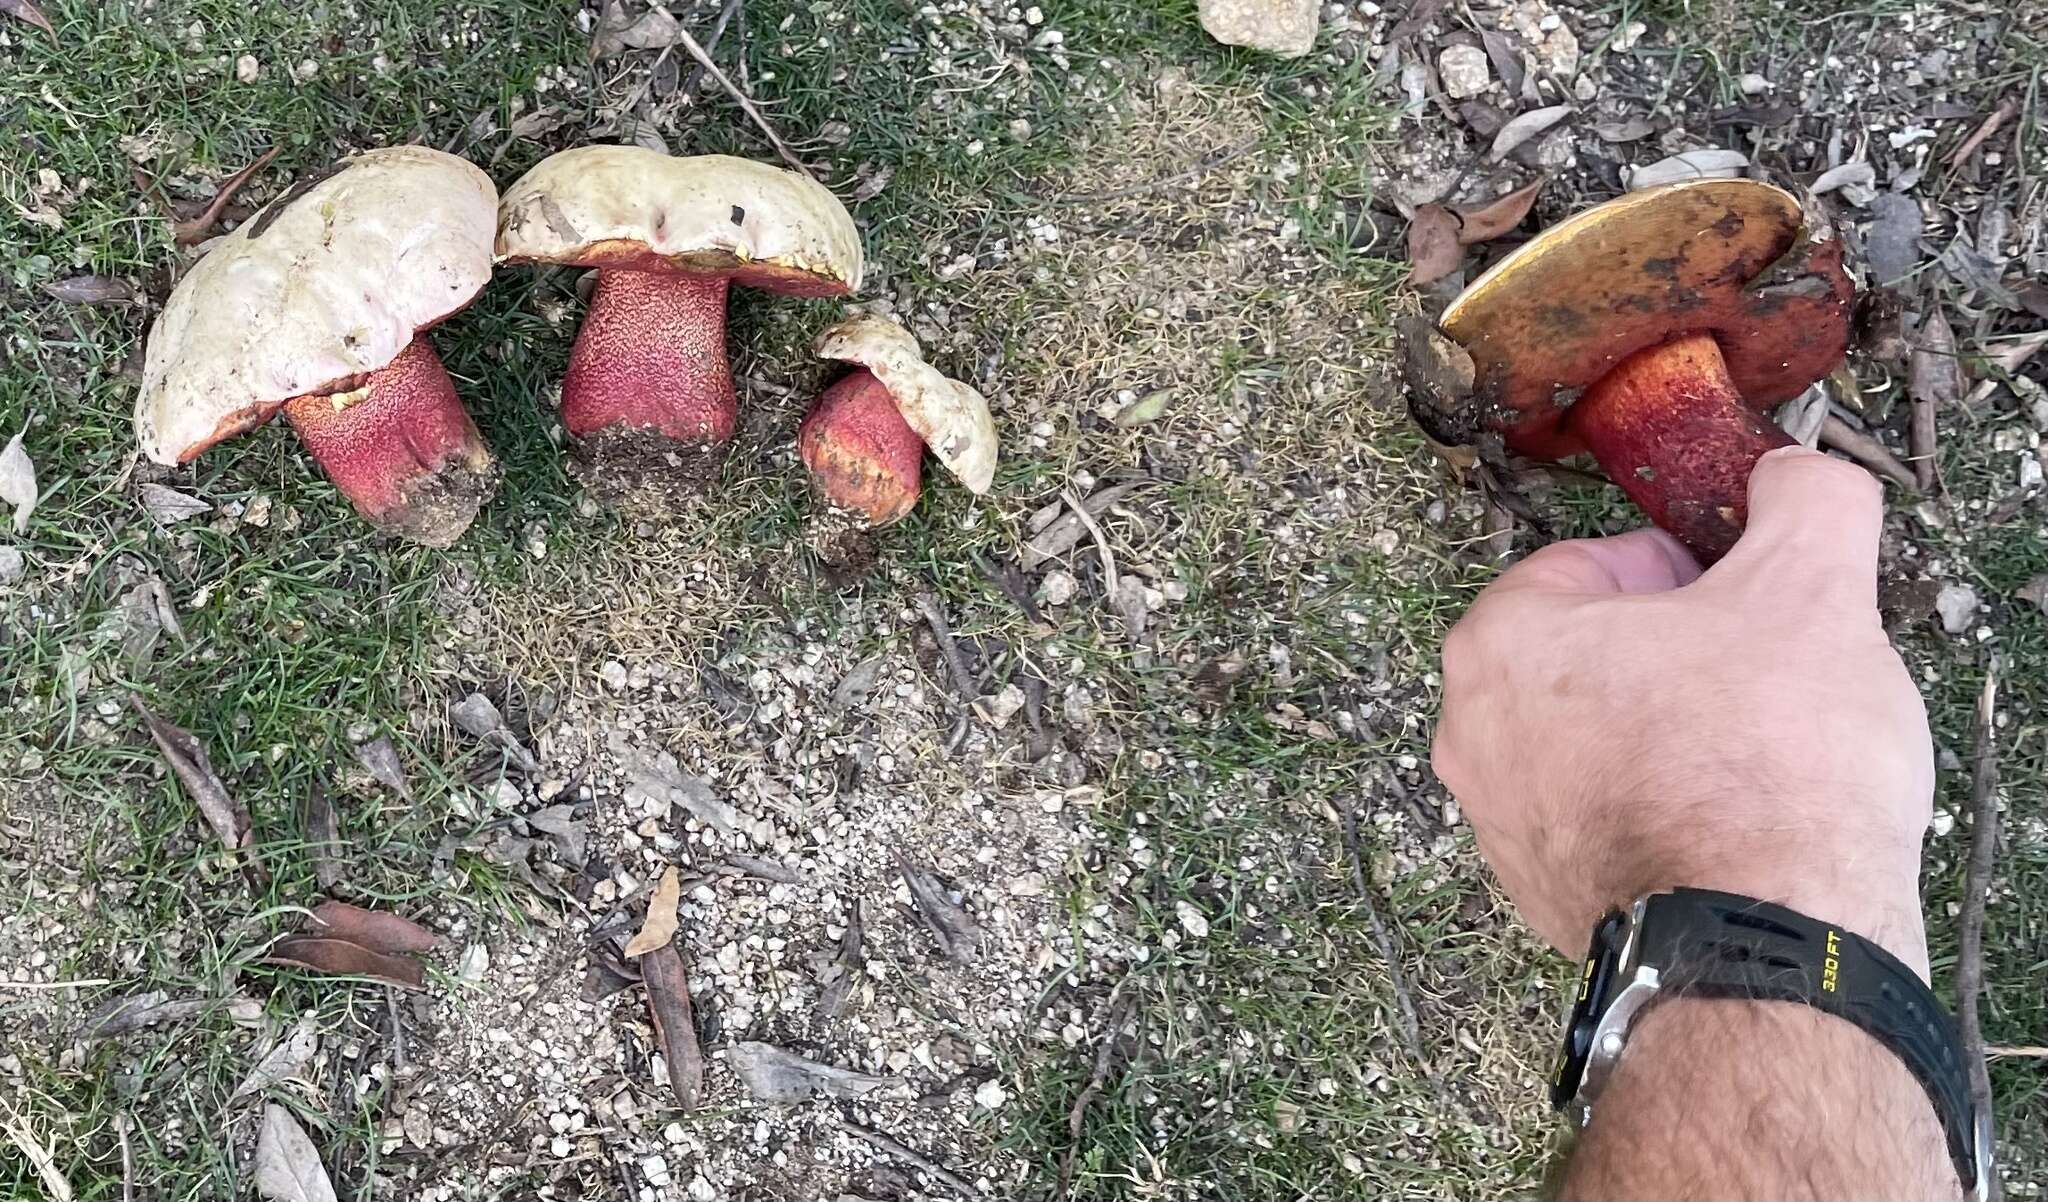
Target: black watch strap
[1707, 944]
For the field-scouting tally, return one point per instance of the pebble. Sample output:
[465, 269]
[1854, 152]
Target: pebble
[1753, 84]
[1957, 605]
[655, 1169]
[12, 566]
[990, 1095]
[1003, 706]
[1464, 71]
[614, 675]
[1057, 588]
[247, 69]
[1191, 920]
[1283, 27]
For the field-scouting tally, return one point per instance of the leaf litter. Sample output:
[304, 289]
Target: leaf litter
[288, 1167]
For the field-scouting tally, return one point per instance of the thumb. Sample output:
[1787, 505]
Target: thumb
[1641, 561]
[1814, 516]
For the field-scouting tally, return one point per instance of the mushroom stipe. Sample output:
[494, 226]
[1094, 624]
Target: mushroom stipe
[651, 355]
[401, 448]
[860, 451]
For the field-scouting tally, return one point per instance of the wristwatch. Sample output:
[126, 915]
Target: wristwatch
[1699, 943]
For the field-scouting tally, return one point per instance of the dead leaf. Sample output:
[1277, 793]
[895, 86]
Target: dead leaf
[282, 1062]
[958, 936]
[2032, 296]
[660, 925]
[26, 10]
[18, 481]
[2035, 593]
[1935, 373]
[340, 958]
[139, 1010]
[323, 837]
[871, 178]
[91, 290]
[188, 760]
[200, 228]
[1434, 249]
[773, 1075]
[288, 1167]
[1691, 164]
[617, 33]
[1635, 129]
[1145, 410]
[374, 930]
[379, 758]
[1525, 127]
[658, 775]
[167, 506]
[1064, 531]
[1848, 176]
[646, 137]
[1489, 221]
[1892, 243]
[544, 120]
[675, 1022]
[843, 971]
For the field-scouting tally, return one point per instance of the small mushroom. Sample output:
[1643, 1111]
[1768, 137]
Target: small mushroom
[864, 440]
[318, 305]
[1655, 331]
[649, 393]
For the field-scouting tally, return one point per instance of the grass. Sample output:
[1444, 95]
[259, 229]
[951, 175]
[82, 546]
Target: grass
[1259, 1060]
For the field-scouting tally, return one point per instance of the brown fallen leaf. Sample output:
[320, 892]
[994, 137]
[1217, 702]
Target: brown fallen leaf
[1484, 223]
[380, 759]
[1434, 249]
[660, 926]
[373, 930]
[91, 290]
[189, 762]
[288, 1167]
[675, 1022]
[958, 936]
[340, 958]
[198, 229]
[26, 10]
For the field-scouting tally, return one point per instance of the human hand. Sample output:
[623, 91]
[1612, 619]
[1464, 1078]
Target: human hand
[1615, 721]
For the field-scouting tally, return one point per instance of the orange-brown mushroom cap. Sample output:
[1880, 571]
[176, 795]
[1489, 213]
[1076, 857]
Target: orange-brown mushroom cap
[1733, 258]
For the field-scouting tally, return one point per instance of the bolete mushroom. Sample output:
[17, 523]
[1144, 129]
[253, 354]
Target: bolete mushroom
[1655, 331]
[649, 391]
[864, 439]
[318, 305]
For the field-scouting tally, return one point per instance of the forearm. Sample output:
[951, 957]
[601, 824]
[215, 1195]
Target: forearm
[1724, 1099]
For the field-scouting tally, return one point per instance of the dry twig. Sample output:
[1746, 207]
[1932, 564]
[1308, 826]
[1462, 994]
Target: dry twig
[745, 102]
[696, 75]
[941, 1173]
[1119, 1012]
[1866, 450]
[1982, 134]
[15, 1128]
[1976, 884]
[956, 664]
[1382, 935]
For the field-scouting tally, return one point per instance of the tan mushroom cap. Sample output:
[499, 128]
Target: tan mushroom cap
[952, 418]
[1731, 257]
[328, 283]
[639, 209]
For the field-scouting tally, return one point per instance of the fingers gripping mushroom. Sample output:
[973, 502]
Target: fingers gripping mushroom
[1655, 331]
[319, 305]
[864, 440]
[648, 384]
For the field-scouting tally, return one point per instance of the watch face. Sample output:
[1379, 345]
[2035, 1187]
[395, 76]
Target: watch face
[1596, 989]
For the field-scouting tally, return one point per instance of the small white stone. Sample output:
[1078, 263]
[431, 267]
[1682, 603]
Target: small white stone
[1003, 706]
[1943, 823]
[614, 675]
[12, 565]
[990, 1095]
[476, 961]
[1753, 84]
[655, 1169]
[1464, 70]
[1191, 920]
[1957, 605]
[1057, 588]
[247, 69]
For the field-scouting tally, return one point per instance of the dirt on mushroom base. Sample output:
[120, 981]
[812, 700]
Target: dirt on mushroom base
[641, 472]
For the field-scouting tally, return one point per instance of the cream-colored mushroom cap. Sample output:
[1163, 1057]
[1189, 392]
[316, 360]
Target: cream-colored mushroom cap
[639, 209]
[330, 281]
[952, 418]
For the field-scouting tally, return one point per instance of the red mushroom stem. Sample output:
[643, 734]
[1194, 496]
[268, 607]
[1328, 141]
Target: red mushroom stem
[400, 446]
[651, 355]
[1669, 427]
[861, 453]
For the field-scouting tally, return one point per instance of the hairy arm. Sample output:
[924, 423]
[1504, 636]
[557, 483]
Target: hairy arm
[1616, 722]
